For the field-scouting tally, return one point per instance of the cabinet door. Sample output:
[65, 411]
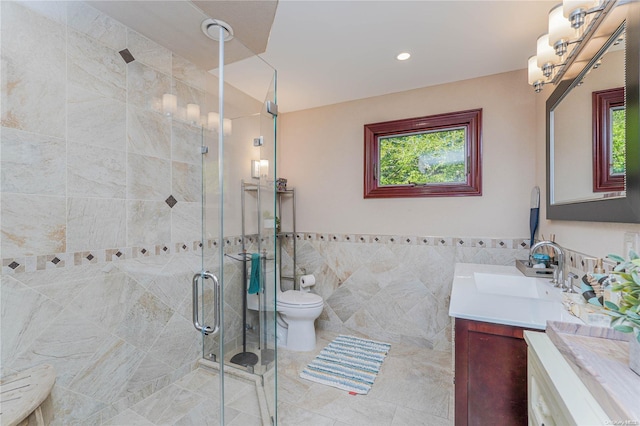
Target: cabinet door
[491, 374]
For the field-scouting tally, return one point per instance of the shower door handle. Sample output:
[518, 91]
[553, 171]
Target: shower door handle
[195, 302]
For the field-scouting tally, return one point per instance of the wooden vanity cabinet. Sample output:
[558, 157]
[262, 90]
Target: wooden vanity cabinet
[490, 374]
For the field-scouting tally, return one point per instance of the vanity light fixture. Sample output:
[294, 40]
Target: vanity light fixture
[213, 121]
[255, 169]
[560, 30]
[546, 56]
[536, 78]
[567, 26]
[227, 126]
[193, 113]
[576, 10]
[403, 56]
[264, 168]
[169, 104]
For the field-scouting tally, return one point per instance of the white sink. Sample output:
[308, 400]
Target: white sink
[500, 294]
[513, 285]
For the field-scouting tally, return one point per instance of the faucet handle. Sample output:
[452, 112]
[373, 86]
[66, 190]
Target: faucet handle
[556, 274]
[569, 285]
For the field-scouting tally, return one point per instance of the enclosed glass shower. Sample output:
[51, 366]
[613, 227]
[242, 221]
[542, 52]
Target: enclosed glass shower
[240, 244]
[125, 256]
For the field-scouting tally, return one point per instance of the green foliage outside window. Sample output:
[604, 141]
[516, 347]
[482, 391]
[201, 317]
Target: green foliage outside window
[423, 158]
[617, 141]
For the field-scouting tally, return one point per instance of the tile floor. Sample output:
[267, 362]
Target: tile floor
[414, 387]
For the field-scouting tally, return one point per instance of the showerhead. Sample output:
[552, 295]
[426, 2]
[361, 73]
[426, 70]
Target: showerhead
[211, 28]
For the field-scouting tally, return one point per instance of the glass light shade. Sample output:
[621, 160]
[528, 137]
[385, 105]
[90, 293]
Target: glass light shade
[227, 126]
[535, 73]
[559, 26]
[193, 113]
[264, 168]
[169, 104]
[213, 121]
[569, 6]
[545, 53]
[255, 169]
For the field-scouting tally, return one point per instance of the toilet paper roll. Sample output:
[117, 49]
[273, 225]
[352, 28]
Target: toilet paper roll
[307, 281]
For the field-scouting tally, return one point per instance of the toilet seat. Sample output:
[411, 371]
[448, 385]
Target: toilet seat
[299, 299]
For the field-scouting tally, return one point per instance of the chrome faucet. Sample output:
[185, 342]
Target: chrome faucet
[558, 270]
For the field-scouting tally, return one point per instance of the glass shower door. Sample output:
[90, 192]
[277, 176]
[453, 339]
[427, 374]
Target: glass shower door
[238, 239]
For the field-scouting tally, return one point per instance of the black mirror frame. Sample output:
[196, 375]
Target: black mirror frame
[626, 209]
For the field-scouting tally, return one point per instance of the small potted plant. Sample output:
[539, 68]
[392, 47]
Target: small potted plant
[626, 312]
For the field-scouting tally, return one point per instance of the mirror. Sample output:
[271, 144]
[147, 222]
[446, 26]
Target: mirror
[592, 119]
[582, 130]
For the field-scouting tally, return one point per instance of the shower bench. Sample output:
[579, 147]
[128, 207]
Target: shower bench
[22, 395]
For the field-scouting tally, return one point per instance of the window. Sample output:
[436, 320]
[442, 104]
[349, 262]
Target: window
[435, 156]
[608, 140]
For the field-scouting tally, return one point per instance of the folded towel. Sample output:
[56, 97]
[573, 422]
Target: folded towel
[254, 282]
[592, 286]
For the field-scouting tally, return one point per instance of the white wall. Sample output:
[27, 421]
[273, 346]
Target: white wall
[321, 152]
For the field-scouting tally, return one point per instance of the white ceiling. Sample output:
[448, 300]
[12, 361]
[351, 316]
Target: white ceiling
[328, 52]
[334, 51]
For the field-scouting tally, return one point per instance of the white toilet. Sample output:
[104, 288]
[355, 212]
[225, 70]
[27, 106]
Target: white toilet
[297, 312]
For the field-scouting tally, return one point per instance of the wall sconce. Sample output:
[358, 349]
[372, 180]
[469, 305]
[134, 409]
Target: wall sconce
[259, 168]
[213, 121]
[193, 113]
[553, 57]
[255, 169]
[169, 104]
[264, 168]
[227, 126]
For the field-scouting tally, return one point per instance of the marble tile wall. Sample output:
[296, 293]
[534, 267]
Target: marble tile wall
[115, 332]
[396, 288]
[88, 158]
[100, 208]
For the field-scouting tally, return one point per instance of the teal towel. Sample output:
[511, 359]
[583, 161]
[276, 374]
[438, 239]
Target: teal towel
[254, 282]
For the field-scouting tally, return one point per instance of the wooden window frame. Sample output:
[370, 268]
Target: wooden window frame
[471, 120]
[602, 102]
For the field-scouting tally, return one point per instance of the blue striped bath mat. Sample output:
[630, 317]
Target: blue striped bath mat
[348, 363]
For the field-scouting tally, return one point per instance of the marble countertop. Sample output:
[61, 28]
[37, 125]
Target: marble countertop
[600, 358]
[529, 303]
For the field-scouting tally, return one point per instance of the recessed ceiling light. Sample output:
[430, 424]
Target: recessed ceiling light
[403, 56]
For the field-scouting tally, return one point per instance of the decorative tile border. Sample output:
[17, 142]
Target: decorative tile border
[579, 262]
[515, 243]
[67, 260]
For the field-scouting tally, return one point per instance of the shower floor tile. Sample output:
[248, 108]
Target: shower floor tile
[194, 400]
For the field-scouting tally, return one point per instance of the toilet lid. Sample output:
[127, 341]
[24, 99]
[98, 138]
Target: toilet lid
[299, 298]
